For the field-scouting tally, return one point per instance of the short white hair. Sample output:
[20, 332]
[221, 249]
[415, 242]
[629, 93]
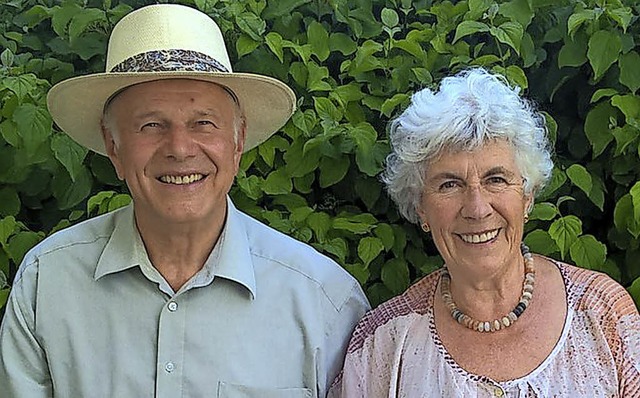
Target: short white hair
[470, 109]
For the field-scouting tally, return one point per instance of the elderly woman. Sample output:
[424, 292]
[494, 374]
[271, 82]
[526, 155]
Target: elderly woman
[497, 320]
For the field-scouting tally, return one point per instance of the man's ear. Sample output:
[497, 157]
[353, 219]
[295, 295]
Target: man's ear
[112, 149]
[240, 140]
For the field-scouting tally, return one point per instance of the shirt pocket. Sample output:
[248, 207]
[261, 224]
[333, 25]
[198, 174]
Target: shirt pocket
[228, 390]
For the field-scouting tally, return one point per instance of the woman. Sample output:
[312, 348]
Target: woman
[497, 320]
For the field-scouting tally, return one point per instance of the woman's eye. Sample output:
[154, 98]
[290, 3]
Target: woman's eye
[496, 180]
[447, 185]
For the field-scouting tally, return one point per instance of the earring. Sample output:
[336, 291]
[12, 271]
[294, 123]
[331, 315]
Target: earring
[526, 218]
[425, 227]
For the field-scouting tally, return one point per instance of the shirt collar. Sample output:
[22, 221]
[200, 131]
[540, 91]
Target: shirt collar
[231, 258]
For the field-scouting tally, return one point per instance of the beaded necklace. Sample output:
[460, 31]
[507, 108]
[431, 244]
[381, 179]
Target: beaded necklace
[500, 323]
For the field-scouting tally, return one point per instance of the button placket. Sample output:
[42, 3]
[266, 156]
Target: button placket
[171, 333]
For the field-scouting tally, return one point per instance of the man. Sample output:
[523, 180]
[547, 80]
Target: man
[180, 294]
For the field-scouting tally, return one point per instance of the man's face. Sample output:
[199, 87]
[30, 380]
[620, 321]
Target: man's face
[174, 144]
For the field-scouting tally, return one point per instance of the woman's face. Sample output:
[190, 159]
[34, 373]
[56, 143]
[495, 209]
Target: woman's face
[475, 205]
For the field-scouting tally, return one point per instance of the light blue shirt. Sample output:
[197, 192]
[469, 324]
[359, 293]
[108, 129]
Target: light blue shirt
[89, 316]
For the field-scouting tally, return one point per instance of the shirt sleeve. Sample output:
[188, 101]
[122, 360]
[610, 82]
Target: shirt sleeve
[338, 333]
[24, 372]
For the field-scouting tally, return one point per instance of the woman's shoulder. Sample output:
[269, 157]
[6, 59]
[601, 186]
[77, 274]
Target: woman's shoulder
[397, 312]
[594, 291]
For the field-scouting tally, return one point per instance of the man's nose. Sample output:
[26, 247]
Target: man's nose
[179, 143]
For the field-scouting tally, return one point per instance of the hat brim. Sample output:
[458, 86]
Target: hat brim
[77, 104]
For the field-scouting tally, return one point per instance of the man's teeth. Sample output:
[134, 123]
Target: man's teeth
[480, 238]
[180, 180]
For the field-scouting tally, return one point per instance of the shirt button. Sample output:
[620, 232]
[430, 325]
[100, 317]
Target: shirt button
[169, 367]
[173, 306]
[498, 392]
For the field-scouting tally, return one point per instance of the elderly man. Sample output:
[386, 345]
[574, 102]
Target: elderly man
[179, 294]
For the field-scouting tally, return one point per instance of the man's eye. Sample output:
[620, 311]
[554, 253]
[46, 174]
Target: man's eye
[496, 180]
[152, 125]
[206, 123]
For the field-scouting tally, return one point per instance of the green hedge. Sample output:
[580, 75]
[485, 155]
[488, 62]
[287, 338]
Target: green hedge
[353, 65]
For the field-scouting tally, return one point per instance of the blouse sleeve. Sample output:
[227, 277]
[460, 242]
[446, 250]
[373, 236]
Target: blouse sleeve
[374, 355]
[620, 323]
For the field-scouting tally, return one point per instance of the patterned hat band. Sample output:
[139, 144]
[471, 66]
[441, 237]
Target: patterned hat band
[169, 61]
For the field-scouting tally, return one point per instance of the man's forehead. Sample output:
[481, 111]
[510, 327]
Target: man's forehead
[163, 84]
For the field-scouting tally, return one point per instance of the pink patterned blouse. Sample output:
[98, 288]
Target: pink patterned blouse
[395, 350]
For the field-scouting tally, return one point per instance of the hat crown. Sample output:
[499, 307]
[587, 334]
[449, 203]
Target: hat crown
[165, 27]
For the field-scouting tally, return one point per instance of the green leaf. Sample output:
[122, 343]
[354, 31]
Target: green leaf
[326, 110]
[4, 296]
[466, 28]
[69, 153]
[629, 74]
[634, 291]
[596, 127]
[9, 202]
[392, 103]
[34, 124]
[389, 17]
[69, 193]
[82, 20]
[573, 52]
[61, 16]
[395, 275]
[580, 177]
[118, 201]
[588, 253]
[315, 79]
[368, 190]
[635, 197]
[252, 25]
[624, 218]
[369, 248]
[278, 182]
[578, 18]
[8, 226]
[565, 231]
[274, 42]
[342, 43]
[97, 202]
[281, 8]
[603, 93]
[604, 47]
[9, 132]
[386, 235]
[22, 85]
[630, 106]
[333, 170]
[337, 247]
[320, 224]
[622, 15]
[319, 40]
[350, 225]
[21, 243]
[206, 6]
[544, 211]
[305, 121]
[509, 33]
[245, 45]
[540, 241]
[518, 11]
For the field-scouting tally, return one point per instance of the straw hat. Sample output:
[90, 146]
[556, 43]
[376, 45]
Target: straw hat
[167, 41]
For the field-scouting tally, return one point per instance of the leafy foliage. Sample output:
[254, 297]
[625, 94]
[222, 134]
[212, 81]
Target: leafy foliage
[353, 65]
